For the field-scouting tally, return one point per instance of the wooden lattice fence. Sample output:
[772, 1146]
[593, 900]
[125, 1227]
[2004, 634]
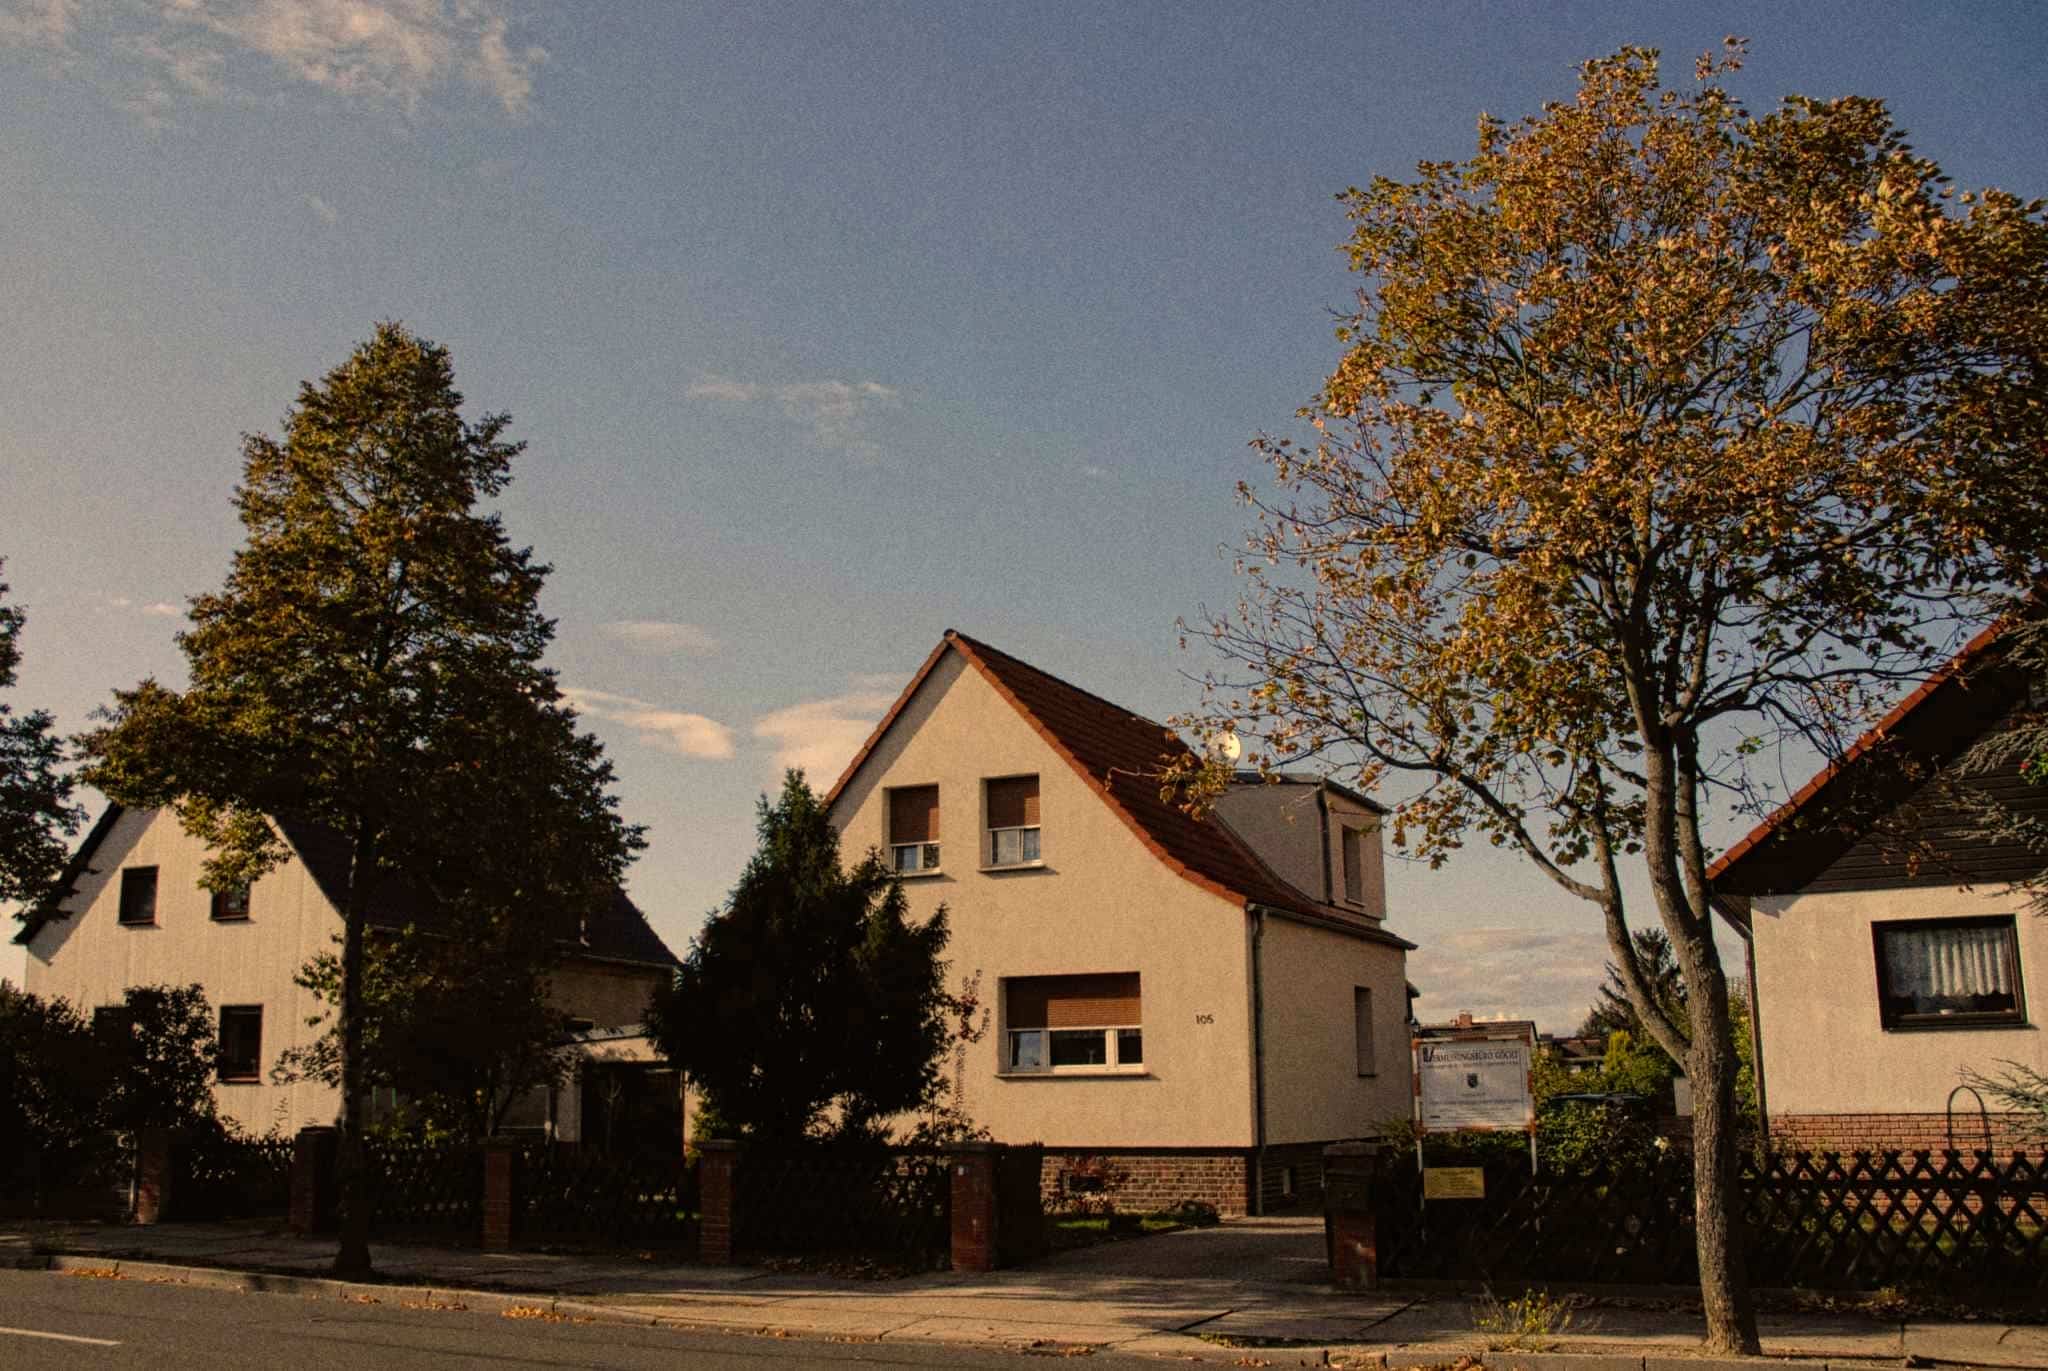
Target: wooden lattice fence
[224, 1176]
[839, 1199]
[586, 1197]
[1948, 1220]
[425, 1190]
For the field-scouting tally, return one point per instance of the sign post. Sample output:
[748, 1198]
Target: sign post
[1473, 1079]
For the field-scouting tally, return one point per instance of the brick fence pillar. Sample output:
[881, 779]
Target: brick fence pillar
[975, 1198]
[313, 1186]
[717, 1196]
[155, 1174]
[501, 1187]
[1349, 1221]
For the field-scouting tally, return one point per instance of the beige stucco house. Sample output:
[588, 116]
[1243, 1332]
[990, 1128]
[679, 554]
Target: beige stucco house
[1889, 948]
[136, 915]
[1202, 1004]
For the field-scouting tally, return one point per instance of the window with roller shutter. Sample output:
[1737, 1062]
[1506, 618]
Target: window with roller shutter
[1013, 837]
[1077, 1024]
[914, 829]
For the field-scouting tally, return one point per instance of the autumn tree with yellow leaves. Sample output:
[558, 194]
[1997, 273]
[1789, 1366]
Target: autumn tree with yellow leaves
[1663, 433]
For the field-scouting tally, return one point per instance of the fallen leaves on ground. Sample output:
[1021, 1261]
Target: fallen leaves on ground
[541, 1314]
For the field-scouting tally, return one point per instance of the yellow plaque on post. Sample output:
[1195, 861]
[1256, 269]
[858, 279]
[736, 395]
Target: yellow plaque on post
[1453, 1183]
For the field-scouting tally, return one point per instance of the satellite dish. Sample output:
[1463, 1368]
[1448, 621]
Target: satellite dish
[1225, 746]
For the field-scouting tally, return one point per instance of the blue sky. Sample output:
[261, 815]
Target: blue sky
[829, 327]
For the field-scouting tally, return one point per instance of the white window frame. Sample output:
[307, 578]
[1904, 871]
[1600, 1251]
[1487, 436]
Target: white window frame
[1111, 1065]
[1035, 858]
[926, 857]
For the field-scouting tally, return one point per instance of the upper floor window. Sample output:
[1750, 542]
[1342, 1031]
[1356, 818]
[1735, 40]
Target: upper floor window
[1077, 1024]
[230, 905]
[1948, 973]
[241, 1042]
[138, 895]
[1013, 821]
[914, 828]
[1354, 866]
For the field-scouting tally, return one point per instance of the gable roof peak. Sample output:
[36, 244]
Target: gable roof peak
[1120, 754]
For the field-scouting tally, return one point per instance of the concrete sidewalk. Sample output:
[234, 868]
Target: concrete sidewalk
[1236, 1294]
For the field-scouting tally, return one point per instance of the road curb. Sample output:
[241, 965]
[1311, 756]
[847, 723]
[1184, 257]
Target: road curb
[309, 1287]
[402, 1293]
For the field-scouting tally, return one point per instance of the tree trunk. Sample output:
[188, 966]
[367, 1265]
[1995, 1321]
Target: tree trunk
[1717, 1179]
[353, 1189]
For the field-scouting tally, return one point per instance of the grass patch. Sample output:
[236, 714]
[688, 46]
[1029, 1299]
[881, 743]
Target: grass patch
[1088, 1230]
[1528, 1323]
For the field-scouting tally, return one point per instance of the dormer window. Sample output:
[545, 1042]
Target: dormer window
[914, 829]
[1354, 865]
[1013, 821]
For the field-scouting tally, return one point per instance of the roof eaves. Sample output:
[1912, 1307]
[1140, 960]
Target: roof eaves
[1871, 737]
[51, 911]
[888, 720]
[970, 650]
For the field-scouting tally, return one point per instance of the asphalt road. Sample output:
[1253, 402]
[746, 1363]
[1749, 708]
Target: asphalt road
[50, 1320]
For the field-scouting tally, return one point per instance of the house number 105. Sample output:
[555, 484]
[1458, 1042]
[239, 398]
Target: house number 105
[1205, 1018]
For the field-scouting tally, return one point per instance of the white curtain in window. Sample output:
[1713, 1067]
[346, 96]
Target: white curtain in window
[1934, 963]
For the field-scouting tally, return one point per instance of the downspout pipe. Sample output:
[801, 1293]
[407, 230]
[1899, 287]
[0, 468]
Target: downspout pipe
[1756, 1040]
[1258, 1176]
[1323, 830]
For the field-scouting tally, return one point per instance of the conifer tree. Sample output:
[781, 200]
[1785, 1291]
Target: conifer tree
[373, 666]
[36, 813]
[809, 1004]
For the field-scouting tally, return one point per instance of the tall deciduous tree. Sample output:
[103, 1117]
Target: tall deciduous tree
[810, 1003]
[1662, 432]
[36, 813]
[373, 666]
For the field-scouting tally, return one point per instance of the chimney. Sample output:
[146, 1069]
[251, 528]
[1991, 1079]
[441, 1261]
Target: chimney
[1464, 1019]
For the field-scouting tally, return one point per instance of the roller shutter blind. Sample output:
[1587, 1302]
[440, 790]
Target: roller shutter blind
[1104, 1001]
[914, 814]
[1013, 802]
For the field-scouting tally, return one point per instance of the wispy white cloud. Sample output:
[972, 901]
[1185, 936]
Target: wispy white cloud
[837, 413]
[821, 736]
[400, 54]
[159, 609]
[659, 636]
[37, 23]
[1550, 976]
[671, 730]
[325, 211]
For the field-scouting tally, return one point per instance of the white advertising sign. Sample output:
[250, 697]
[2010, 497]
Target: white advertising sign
[1473, 1083]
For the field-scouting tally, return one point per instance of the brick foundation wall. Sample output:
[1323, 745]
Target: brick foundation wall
[1886, 1132]
[1148, 1181]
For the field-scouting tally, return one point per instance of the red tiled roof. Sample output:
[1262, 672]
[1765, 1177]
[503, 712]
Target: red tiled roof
[1121, 755]
[1872, 736]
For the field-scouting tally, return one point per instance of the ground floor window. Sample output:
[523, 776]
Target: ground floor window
[1948, 973]
[241, 1042]
[1074, 1023]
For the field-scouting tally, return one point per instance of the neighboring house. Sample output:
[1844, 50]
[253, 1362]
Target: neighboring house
[1579, 1054]
[1201, 1004]
[1889, 950]
[136, 915]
